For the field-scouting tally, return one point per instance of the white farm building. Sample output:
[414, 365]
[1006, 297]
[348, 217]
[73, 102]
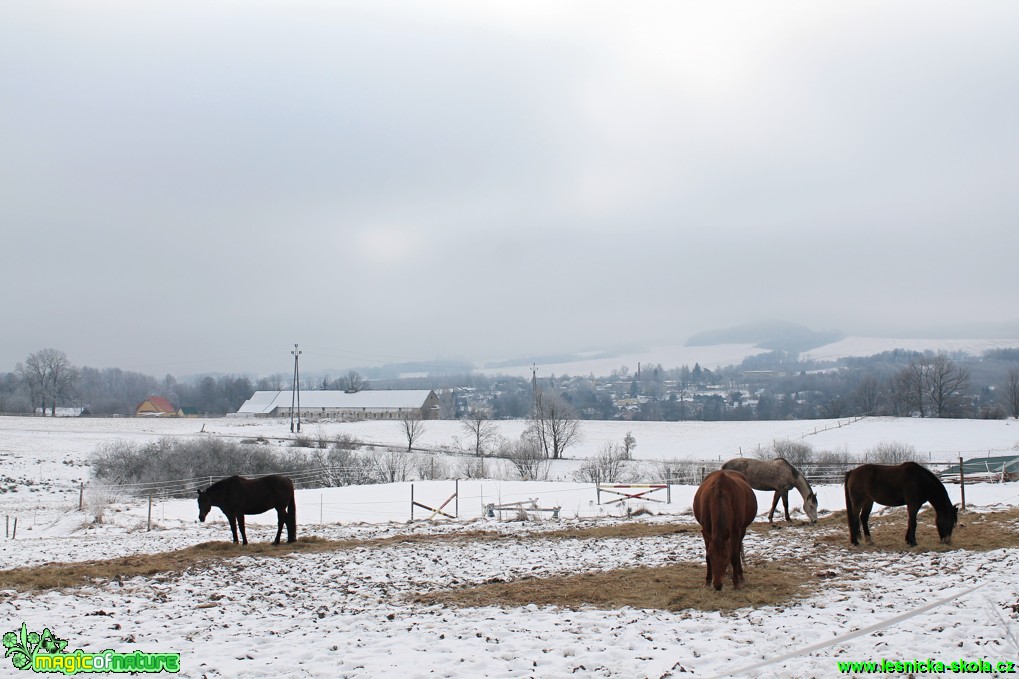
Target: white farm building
[394, 404]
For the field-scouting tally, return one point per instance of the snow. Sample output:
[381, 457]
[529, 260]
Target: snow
[722, 355]
[349, 613]
[869, 346]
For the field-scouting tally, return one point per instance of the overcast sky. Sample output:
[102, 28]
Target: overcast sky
[193, 186]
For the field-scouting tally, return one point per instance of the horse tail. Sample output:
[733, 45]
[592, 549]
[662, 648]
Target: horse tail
[721, 530]
[852, 515]
[292, 516]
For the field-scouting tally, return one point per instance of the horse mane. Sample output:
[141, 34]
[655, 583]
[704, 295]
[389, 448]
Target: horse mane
[789, 465]
[219, 484]
[937, 486]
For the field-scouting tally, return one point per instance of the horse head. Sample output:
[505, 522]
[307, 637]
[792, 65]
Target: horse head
[945, 522]
[810, 507]
[204, 505]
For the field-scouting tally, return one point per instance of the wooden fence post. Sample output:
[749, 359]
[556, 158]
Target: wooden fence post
[962, 483]
[81, 497]
[412, 502]
[15, 533]
[148, 524]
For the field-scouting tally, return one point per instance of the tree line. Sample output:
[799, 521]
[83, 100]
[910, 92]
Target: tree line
[776, 385]
[47, 380]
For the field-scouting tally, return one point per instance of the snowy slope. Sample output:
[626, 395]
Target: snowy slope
[349, 613]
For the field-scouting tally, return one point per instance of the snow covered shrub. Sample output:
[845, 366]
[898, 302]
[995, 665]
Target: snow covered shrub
[795, 453]
[175, 464]
[608, 466]
[390, 466]
[892, 453]
[347, 468]
[97, 498]
[432, 467]
[526, 458]
[684, 472]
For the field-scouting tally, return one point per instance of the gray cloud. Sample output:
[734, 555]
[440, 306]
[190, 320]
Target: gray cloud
[199, 185]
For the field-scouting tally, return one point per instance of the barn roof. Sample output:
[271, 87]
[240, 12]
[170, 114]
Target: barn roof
[264, 402]
[160, 404]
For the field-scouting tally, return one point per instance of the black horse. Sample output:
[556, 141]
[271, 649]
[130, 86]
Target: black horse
[893, 486]
[237, 496]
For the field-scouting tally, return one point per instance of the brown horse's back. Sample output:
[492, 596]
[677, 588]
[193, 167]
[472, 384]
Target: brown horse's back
[886, 485]
[724, 505]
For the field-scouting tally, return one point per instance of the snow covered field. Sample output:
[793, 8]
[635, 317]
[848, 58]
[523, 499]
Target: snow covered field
[349, 613]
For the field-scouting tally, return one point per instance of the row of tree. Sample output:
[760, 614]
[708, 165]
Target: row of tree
[765, 387]
[47, 379]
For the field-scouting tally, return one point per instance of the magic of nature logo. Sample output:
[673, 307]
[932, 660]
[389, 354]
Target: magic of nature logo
[44, 652]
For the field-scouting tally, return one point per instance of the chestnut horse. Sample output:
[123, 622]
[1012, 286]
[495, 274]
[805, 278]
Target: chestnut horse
[724, 505]
[907, 484]
[237, 496]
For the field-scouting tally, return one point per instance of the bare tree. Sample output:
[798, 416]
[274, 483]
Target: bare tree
[413, 428]
[50, 377]
[390, 466]
[868, 394]
[481, 430]
[352, 382]
[629, 443]
[944, 383]
[555, 424]
[1011, 392]
[909, 393]
[527, 458]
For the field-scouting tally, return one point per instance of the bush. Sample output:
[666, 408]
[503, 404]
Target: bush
[795, 453]
[184, 464]
[608, 466]
[892, 453]
[526, 458]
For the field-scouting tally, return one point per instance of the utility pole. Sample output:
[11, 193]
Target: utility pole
[534, 390]
[296, 391]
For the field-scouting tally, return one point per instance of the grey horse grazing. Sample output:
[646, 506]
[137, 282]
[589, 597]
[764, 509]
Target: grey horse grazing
[780, 476]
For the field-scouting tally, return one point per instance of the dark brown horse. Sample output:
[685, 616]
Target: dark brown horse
[237, 496]
[724, 505]
[780, 476]
[907, 484]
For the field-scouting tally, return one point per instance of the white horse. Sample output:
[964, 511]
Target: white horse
[780, 476]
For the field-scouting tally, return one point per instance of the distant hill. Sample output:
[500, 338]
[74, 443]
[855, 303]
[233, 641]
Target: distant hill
[770, 335]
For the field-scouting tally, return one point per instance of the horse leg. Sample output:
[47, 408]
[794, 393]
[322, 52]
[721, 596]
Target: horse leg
[737, 562]
[865, 508]
[774, 504]
[785, 504]
[292, 521]
[853, 518]
[281, 514]
[911, 526]
[233, 526]
[707, 557]
[240, 524]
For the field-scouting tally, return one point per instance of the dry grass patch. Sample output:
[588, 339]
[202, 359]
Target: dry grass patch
[73, 574]
[635, 529]
[976, 531]
[672, 587]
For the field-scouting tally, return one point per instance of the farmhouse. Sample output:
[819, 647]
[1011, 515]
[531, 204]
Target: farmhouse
[395, 404]
[156, 406]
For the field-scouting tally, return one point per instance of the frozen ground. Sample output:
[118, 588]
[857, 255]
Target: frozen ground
[348, 613]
